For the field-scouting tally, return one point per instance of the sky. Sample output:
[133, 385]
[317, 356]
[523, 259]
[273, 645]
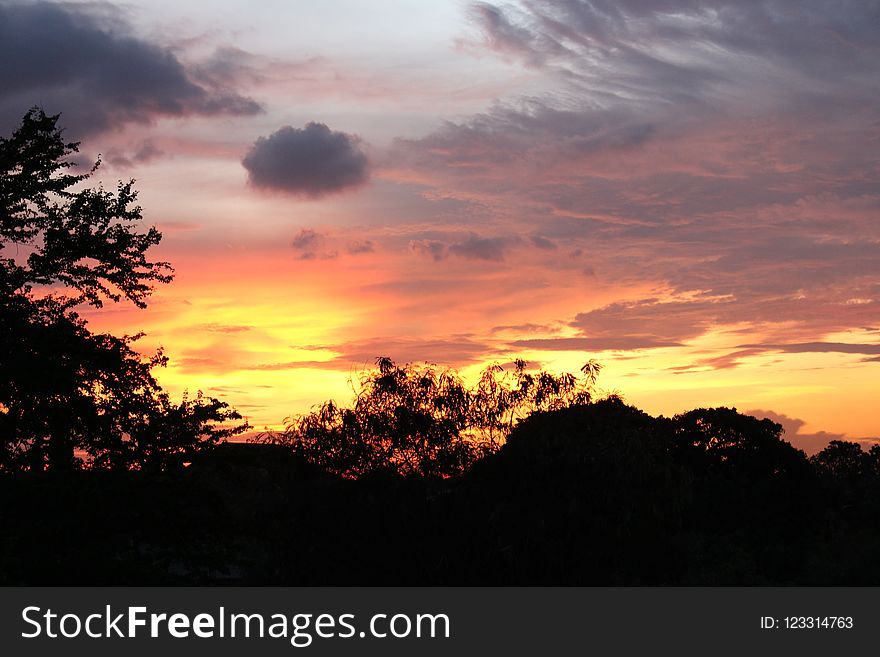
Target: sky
[686, 191]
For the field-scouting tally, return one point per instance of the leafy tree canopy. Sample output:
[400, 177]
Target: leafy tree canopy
[82, 242]
[68, 396]
[418, 420]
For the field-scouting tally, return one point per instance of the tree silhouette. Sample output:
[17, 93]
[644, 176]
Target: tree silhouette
[415, 420]
[846, 461]
[725, 441]
[67, 394]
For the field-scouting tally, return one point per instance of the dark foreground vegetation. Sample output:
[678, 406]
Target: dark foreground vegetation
[592, 494]
[519, 478]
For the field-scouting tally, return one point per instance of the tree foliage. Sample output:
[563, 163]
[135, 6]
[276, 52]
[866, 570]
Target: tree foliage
[723, 440]
[69, 396]
[413, 419]
[83, 244]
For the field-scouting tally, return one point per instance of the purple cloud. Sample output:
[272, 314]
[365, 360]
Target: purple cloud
[313, 161]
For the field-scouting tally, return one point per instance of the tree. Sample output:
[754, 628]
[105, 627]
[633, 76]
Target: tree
[68, 395]
[722, 440]
[843, 460]
[423, 421]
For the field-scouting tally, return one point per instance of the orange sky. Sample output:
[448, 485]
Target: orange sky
[688, 195]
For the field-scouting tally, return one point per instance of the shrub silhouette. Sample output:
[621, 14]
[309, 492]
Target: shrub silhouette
[418, 420]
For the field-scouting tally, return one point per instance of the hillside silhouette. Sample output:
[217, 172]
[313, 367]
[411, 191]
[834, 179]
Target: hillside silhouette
[521, 477]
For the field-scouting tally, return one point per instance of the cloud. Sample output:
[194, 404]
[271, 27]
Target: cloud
[222, 328]
[361, 246]
[761, 223]
[472, 247]
[313, 161]
[648, 323]
[678, 51]
[726, 361]
[543, 243]
[229, 65]
[454, 351]
[84, 61]
[143, 154]
[431, 248]
[311, 245]
[503, 35]
[819, 347]
[532, 137]
[306, 240]
[653, 323]
[609, 343]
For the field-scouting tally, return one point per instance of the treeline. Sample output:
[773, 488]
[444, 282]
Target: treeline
[595, 494]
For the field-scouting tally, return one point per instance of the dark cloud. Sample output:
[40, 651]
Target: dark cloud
[361, 246]
[531, 133]
[306, 240]
[747, 223]
[313, 161]
[432, 248]
[147, 152]
[455, 351]
[503, 35]
[819, 347]
[648, 323]
[229, 65]
[684, 51]
[543, 243]
[652, 323]
[83, 60]
[606, 343]
[474, 247]
[311, 245]
[144, 154]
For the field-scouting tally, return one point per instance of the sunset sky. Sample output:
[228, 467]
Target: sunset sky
[687, 191]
